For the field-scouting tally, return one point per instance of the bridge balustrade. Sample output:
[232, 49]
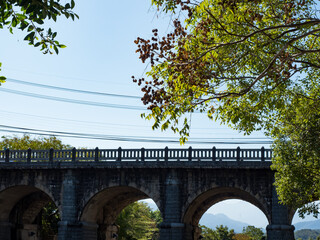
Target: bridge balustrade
[125, 155]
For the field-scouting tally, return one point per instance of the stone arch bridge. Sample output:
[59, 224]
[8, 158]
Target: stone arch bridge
[91, 187]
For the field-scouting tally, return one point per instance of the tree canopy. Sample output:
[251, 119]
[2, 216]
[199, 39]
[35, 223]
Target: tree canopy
[250, 65]
[253, 233]
[138, 221]
[220, 233]
[30, 16]
[25, 142]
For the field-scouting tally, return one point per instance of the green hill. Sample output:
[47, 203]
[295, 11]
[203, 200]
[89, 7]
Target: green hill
[307, 234]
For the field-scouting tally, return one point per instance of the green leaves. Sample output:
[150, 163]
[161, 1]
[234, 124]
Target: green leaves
[30, 15]
[138, 221]
[297, 154]
[220, 233]
[240, 59]
[2, 78]
[26, 142]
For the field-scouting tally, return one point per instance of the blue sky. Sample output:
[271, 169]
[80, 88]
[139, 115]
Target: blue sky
[100, 56]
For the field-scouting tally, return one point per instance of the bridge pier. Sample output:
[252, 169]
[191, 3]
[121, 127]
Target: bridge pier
[88, 231]
[172, 228]
[280, 227]
[69, 227]
[192, 232]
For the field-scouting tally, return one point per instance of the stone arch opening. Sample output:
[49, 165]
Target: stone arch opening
[236, 214]
[200, 204]
[21, 212]
[139, 220]
[104, 207]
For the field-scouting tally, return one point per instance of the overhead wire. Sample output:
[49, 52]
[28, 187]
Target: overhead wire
[69, 100]
[99, 104]
[102, 123]
[126, 125]
[23, 130]
[71, 89]
[75, 121]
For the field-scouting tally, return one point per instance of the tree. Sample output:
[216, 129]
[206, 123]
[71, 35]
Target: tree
[25, 142]
[253, 233]
[49, 220]
[138, 222]
[221, 233]
[248, 64]
[241, 236]
[297, 154]
[30, 16]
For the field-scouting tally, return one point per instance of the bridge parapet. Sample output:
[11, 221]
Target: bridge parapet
[129, 155]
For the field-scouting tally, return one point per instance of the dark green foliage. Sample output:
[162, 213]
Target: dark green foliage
[138, 222]
[25, 142]
[49, 221]
[297, 153]
[30, 16]
[221, 233]
[254, 233]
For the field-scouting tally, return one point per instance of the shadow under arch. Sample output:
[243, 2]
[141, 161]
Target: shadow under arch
[11, 196]
[106, 205]
[199, 205]
[21, 208]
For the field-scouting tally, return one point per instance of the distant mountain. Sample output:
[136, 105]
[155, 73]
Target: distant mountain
[214, 220]
[306, 234]
[308, 225]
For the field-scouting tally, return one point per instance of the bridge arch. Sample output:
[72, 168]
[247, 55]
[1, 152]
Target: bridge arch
[11, 196]
[20, 212]
[199, 203]
[104, 207]
[112, 200]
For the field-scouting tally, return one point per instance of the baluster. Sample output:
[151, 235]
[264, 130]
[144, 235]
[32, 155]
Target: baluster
[51, 155]
[29, 155]
[166, 154]
[214, 154]
[74, 153]
[142, 154]
[119, 154]
[190, 154]
[96, 154]
[238, 153]
[262, 154]
[7, 154]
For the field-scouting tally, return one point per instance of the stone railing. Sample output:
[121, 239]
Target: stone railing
[126, 155]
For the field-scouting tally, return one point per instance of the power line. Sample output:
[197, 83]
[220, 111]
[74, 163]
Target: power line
[119, 138]
[120, 125]
[60, 99]
[100, 123]
[71, 89]
[75, 121]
